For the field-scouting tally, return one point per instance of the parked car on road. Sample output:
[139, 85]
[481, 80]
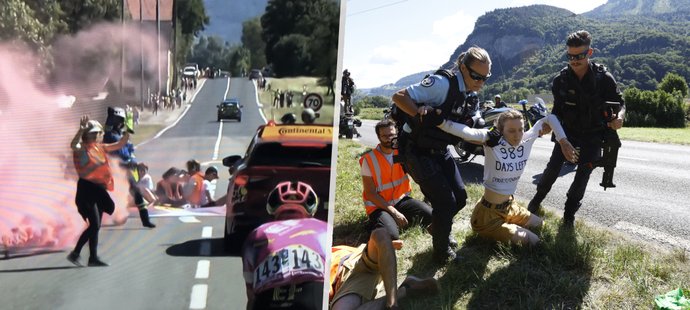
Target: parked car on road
[230, 109]
[277, 153]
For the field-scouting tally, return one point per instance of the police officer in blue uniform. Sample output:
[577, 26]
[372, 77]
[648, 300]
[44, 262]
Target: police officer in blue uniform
[580, 92]
[115, 127]
[424, 149]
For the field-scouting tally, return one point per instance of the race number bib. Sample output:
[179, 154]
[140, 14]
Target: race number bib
[290, 261]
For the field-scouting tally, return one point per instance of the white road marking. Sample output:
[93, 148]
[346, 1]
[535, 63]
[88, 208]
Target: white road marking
[189, 219]
[634, 158]
[186, 109]
[207, 232]
[651, 234]
[212, 162]
[216, 149]
[202, 269]
[198, 299]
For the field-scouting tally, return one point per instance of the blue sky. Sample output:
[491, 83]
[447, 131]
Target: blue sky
[386, 40]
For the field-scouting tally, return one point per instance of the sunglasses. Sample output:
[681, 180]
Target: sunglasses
[580, 56]
[476, 76]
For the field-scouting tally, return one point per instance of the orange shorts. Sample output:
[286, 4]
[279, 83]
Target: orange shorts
[498, 222]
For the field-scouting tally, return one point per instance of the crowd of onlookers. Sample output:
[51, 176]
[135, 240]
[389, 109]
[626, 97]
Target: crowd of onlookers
[180, 188]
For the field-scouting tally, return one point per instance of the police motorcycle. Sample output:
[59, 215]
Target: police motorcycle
[347, 126]
[473, 117]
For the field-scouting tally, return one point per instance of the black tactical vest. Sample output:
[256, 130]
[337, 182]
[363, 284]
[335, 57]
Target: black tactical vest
[583, 111]
[454, 109]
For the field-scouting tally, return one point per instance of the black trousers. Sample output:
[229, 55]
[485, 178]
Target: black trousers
[588, 154]
[414, 210]
[92, 200]
[438, 177]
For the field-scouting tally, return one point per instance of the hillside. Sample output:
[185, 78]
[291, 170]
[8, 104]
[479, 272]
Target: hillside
[526, 44]
[639, 7]
[226, 17]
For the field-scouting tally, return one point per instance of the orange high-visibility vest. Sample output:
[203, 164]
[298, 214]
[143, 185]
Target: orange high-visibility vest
[91, 163]
[195, 196]
[391, 181]
[338, 255]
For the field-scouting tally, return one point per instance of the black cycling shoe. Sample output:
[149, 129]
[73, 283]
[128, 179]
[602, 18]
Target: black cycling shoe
[97, 263]
[73, 258]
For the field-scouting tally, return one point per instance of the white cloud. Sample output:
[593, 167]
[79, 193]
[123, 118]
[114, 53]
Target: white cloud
[400, 58]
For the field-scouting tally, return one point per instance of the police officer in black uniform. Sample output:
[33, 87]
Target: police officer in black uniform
[424, 149]
[580, 92]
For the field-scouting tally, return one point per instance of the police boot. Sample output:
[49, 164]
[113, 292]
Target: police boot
[145, 220]
[569, 214]
[534, 204]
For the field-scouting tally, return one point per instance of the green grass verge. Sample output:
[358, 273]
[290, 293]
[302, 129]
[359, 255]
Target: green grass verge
[584, 268]
[296, 85]
[145, 132]
[661, 135]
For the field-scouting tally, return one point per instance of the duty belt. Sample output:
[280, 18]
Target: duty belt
[428, 151]
[499, 206]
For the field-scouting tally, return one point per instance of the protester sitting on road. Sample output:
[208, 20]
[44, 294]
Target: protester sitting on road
[169, 188]
[210, 175]
[507, 148]
[145, 184]
[356, 273]
[95, 180]
[194, 191]
[296, 243]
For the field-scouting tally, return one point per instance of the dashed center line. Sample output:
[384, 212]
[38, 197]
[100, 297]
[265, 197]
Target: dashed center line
[207, 232]
[199, 293]
[202, 269]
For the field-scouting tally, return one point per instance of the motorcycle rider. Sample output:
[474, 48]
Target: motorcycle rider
[284, 260]
[498, 103]
[425, 153]
[116, 124]
[347, 88]
[580, 91]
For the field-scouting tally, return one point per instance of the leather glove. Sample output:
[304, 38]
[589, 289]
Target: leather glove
[431, 119]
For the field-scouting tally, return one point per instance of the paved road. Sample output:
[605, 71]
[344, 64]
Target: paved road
[650, 200]
[181, 264]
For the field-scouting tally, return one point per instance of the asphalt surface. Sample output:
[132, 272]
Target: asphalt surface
[650, 201]
[182, 263]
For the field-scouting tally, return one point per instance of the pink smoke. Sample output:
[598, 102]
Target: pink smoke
[37, 176]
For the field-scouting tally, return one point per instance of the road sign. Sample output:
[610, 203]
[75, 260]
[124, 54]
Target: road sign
[313, 101]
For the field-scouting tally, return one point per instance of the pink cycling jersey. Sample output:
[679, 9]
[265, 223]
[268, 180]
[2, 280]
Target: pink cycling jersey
[285, 252]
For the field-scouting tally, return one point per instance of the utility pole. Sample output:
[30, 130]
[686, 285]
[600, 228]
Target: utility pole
[141, 54]
[174, 49]
[122, 45]
[158, 39]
